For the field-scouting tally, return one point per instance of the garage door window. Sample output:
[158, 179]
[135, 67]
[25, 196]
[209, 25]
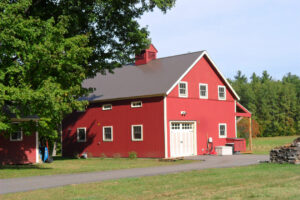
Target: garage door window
[137, 132]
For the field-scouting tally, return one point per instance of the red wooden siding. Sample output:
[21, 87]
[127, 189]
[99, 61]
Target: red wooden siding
[18, 152]
[121, 117]
[207, 112]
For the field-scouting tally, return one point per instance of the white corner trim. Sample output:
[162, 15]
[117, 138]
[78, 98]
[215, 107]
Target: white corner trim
[165, 127]
[37, 160]
[186, 72]
[223, 77]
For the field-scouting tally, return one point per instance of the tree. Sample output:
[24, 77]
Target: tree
[40, 69]
[112, 26]
[48, 47]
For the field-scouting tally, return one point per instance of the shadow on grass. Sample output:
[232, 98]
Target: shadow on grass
[25, 166]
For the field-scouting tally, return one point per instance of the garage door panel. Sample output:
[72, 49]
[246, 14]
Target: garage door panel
[182, 139]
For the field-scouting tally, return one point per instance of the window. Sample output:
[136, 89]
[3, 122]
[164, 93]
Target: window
[107, 133]
[175, 126]
[16, 136]
[187, 126]
[222, 92]
[183, 89]
[222, 130]
[136, 104]
[137, 132]
[81, 134]
[106, 107]
[203, 90]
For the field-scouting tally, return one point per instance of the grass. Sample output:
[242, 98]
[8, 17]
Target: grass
[264, 181]
[68, 166]
[263, 145]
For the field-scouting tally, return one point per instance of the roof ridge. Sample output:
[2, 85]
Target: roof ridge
[180, 54]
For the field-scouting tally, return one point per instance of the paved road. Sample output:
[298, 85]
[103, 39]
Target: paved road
[39, 182]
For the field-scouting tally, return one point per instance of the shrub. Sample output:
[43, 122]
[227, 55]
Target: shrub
[132, 155]
[102, 156]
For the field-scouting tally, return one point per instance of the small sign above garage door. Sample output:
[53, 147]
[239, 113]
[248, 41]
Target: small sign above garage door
[182, 138]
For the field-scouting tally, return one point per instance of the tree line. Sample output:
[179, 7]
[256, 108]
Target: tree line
[274, 104]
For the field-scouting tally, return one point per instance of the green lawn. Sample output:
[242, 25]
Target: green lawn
[67, 166]
[263, 145]
[264, 181]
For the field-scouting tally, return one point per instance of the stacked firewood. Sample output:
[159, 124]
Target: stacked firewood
[286, 154]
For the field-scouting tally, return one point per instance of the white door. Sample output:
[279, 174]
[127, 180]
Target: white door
[182, 140]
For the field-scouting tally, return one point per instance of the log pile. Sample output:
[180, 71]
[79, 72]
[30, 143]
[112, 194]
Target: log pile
[286, 154]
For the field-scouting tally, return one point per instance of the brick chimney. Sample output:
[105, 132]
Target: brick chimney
[146, 56]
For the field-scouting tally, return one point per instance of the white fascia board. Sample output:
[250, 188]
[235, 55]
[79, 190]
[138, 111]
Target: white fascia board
[223, 77]
[185, 73]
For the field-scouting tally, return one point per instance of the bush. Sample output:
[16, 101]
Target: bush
[132, 155]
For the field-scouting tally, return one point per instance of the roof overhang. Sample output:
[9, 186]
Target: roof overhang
[245, 113]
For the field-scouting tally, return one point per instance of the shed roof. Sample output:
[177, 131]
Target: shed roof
[157, 77]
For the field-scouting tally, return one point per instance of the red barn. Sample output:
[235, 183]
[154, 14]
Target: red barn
[18, 148]
[166, 107]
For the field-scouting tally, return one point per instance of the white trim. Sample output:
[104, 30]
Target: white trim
[165, 127]
[214, 65]
[103, 106]
[206, 96]
[222, 98]
[235, 118]
[223, 136]
[78, 134]
[16, 140]
[37, 160]
[103, 134]
[186, 91]
[136, 106]
[132, 138]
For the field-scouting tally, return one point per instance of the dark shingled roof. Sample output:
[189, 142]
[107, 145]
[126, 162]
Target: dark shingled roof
[153, 78]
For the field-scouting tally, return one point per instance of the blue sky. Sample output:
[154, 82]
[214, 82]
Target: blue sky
[246, 35]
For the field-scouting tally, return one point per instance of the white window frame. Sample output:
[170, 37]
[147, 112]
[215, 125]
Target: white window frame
[103, 106]
[132, 132]
[222, 98]
[78, 134]
[103, 134]
[136, 102]
[222, 136]
[17, 140]
[206, 85]
[187, 90]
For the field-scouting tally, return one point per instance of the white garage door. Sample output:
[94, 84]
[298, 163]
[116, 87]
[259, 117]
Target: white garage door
[182, 139]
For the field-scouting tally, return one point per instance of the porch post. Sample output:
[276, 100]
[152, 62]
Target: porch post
[250, 133]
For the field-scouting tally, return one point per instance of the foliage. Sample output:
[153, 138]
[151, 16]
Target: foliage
[274, 104]
[132, 155]
[48, 47]
[40, 69]
[114, 32]
[243, 128]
